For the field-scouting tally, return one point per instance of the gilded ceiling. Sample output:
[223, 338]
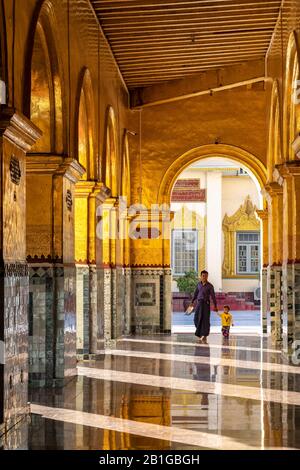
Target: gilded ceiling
[158, 40]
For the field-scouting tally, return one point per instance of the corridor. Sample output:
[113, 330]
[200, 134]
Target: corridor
[170, 393]
[142, 143]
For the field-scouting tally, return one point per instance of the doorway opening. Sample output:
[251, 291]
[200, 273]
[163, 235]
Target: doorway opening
[216, 228]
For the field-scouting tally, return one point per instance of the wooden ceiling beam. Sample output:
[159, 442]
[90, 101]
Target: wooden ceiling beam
[188, 68]
[204, 25]
[194, 85]
[167, 44]
[164, 64]
[179, 54]
[173, 40]
[169, 40]
[126, 4]
[186, 11]
[169, 19]
[192, 30]
[186, 51]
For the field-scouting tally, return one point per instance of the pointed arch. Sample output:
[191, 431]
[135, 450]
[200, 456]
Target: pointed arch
[111, 152]
[125, 175]
[44, 92]
[291, 104]
[85, 127]
[252, 163]
[274, 156]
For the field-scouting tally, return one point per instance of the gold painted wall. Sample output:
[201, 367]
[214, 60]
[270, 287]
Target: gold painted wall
[87, 49]
[236, 117]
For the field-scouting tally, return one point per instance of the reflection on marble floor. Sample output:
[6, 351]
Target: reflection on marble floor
[209, 360]
[198, 345]
[167, 393]
[237, 391]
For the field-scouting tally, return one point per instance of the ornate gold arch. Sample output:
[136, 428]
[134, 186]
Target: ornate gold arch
[111, 153]
[86, 101]
[125, 175]
[238, 154]
[48, 32]
[291, 121]
[244, 219]
[274, 156]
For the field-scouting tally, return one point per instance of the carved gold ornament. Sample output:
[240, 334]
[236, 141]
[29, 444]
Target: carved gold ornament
[244, 219]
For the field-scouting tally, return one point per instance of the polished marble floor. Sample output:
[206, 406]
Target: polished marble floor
[168, 392]
[246, 321]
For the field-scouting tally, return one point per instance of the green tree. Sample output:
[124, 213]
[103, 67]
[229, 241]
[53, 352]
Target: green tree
[188, 282]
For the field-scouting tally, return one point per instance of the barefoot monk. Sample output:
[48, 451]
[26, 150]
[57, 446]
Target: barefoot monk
[203, 293]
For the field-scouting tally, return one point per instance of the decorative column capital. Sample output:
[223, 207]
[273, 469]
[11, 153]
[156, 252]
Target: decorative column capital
[296, 145]
[55, 165]
[92, 189]
[262, 214]
[71, 168]
[271, 190]
[19, 130]
[110, 203]
[286, 170]
[101, 191]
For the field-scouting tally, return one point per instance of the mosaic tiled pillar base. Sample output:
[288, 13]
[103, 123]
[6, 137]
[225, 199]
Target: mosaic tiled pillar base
[278, 304]
[167, 296]
[271, 302]
[114, 304]
[82, 310]
[93, 295]
[126, 324]
[89, 311]
[275, 303]
[151, 298]
[120, 302]
[100, 309]
[17, 136]
[296, 333]
[17, 437]
[86, 311]
[107, 301]
[52, 325]
[264, 299]
[289, 307]
[114, 301]
[14, 333]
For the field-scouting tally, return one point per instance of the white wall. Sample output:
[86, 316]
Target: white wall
[225, 194]
[234, 192]
[240, 285]
[214, 229]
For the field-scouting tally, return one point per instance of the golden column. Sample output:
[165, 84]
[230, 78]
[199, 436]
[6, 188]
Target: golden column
[17, 136]
[88, 197]
[274, 195]
[288, 176]
[109, 235]
[50, 247]
[264, 217]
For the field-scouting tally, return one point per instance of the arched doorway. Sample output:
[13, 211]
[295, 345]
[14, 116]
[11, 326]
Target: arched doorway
[50, 209]
[232, 229]
[46, 107]
[111, 153]
[86, 192]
